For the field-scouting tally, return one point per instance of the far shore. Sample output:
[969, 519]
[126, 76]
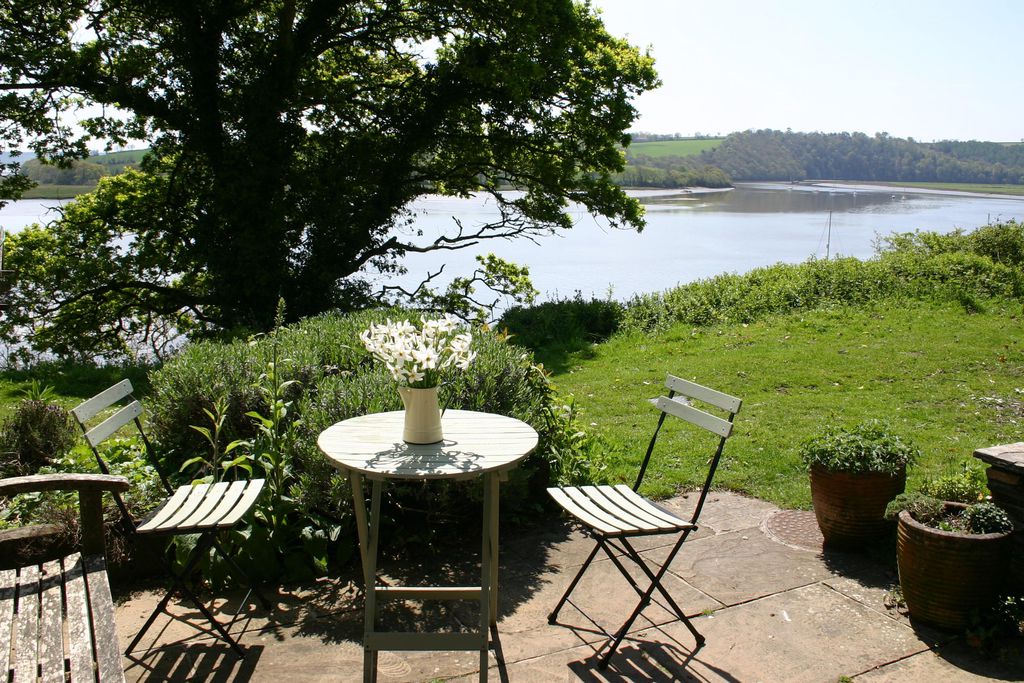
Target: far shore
[909, 189]
[60, 192]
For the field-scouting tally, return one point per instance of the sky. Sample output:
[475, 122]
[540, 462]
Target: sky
[936, 70]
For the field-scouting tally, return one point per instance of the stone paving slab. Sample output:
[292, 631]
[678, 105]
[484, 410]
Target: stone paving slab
[807, 634]
[743, 565]
[770, 611]
[955, 662]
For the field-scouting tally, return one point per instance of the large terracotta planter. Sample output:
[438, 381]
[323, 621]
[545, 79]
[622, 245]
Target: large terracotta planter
[945, 575]
[850, 507]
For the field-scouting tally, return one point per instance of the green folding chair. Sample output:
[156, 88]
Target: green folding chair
[612, 515]
[203, 509]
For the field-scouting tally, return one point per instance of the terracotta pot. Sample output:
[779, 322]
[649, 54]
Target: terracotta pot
[850, 507]
[422, 415]
[945, 575]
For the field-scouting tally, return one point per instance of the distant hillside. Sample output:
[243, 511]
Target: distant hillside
[81, 176]
[778, 155]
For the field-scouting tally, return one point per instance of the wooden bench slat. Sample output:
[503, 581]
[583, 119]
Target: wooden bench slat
[26, 630]
[8, 586]
[101, 603]
[47, 610]
[80, 649]
[51, 624]
[62, 482]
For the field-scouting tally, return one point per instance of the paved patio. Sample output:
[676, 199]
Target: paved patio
[773, 606]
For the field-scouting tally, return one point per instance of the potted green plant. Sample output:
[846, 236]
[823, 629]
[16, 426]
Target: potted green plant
[952, 557]
[854, 473]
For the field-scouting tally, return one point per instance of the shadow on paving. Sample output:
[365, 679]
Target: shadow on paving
[654, 662]
[1007, 665]
[333, 611]
[869, 567]
[209, 662]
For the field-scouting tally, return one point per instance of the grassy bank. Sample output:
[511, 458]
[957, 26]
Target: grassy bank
[57, 191]
[950, 380]
[954, 187]
[674, 148]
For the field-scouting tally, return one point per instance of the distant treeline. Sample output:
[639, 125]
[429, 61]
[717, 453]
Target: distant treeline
[778, 155]
[669, 171]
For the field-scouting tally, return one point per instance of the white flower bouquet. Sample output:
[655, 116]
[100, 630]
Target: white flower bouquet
[417, 356]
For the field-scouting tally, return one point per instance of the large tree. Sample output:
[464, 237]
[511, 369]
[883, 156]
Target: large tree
[288, 138]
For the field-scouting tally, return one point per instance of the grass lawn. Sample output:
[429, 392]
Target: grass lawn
[57, 191]
[128, 156]
[950, 381]
[956, 187]
[71, 383]
[674, 148]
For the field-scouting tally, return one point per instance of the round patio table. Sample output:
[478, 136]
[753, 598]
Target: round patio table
[475, 444]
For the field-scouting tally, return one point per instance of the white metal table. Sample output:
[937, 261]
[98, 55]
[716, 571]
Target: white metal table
[475, 444]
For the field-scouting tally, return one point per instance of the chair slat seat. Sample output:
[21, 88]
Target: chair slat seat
[203, 507]
[583, 513]
[616, 510]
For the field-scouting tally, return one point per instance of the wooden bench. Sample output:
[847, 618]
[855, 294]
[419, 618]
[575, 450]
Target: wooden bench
[57, 616]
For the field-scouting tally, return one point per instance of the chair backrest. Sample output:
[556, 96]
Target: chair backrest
[131, 412]
[682, 408]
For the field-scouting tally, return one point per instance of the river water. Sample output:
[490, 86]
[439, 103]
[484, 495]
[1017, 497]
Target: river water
[689, 236]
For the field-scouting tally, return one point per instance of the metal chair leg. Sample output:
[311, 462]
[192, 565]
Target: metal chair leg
[645, 600]
[149, 622]
[241, 573]
[162, 605]
[572, 585]
[178, 583]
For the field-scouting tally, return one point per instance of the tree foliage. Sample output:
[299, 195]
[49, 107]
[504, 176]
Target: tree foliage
[288, 138]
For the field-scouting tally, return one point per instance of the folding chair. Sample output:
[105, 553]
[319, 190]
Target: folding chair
[203, 509]
[612, 515]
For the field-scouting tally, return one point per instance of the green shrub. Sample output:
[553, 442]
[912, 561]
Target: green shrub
[566, 324]
[301, 379]
[867, 447]
[979, 518]
[35, 434]
[922, 507]
[967, 486]
[964, 267]
[986, 518]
